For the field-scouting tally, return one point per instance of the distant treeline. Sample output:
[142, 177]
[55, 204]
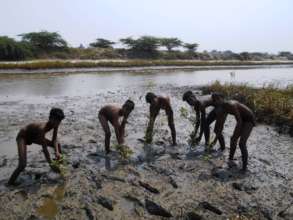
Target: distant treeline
[46, 45]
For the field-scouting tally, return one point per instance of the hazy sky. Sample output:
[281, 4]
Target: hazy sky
[238, 25]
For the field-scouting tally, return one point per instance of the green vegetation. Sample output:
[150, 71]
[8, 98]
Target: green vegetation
[102, 43]
[124, 151]
[12, 50]
[143, 47]
[184, 113]
[52, 64]
[44, 42]
[191, 47]
[170, 43]
[59, 165]
[51, 45]
[270, 104]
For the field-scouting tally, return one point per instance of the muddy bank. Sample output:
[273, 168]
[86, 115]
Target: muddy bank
[81, 66]
[158, 180]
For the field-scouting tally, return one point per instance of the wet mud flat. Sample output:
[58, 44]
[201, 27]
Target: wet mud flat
[158, 181]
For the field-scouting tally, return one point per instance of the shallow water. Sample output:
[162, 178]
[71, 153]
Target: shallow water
[49, 207]
[83, 84]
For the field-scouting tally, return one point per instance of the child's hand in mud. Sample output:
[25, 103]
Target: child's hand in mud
[59, 159]
[55, 167]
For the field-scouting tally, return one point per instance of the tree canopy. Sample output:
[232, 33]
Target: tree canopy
[170, 43]
[45, 41]
[145, 46]
[191, 47]
[102, 43]
[13, 50]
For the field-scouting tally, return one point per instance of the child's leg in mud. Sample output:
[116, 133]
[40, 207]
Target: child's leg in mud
[233, 145]
[219, 130]
[21, 146]
[209, 120]
[106, 128]
[245, 133]
[172, 126]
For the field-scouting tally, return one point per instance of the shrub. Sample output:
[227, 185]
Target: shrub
[13, 50]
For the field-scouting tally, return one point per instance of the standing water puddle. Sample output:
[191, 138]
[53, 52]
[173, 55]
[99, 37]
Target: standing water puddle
[49, 206]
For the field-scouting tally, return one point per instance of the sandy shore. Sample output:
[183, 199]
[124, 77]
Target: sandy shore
[186, 182]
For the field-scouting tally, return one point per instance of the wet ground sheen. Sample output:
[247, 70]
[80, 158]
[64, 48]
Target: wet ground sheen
[181, 182]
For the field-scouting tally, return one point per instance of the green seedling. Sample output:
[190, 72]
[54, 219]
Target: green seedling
[58, 165]
[185, 114]
[124, 151]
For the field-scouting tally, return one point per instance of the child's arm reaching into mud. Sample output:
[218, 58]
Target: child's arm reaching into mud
[122, 127]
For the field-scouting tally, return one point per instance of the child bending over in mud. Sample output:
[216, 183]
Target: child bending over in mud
[35, 133]
[245, 123]
[112, 113]
[156, 104]
[201, 120]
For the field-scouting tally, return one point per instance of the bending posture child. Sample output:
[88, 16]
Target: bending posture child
[35, 133]
[245, 121]
[156, 104]
[112, 113]
[202, 121]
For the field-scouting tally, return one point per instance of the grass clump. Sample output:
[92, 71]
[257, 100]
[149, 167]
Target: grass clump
[124, 151]
[59, 165]
[184, 113]
[61, 64]
[271, 104]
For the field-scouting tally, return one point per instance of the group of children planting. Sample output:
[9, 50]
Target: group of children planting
[35, 132]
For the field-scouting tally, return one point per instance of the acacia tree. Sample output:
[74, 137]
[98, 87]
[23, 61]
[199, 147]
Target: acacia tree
[129, 42]
[145, 46]
[45, 41]
[170, 43]
[102, 43]
[191, 47]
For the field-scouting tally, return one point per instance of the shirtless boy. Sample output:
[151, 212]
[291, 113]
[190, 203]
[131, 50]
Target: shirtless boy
[202, 121]
[245, 123]
[156, 104]
[35, 133]
[112, 113]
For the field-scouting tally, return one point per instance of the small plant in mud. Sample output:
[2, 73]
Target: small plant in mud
[149, 133]
[124, 151]
[207, 157]
[153, 129]
[184, 113]
[59, 165]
